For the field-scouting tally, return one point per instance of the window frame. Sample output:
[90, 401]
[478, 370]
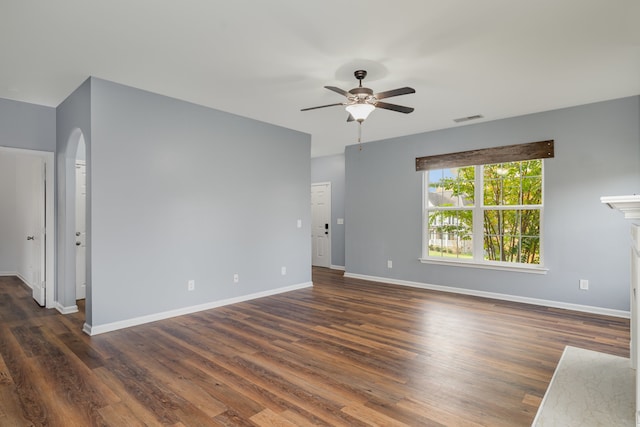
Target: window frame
[478, 211]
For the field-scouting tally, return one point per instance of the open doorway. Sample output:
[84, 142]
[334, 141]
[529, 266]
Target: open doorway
[27, 220]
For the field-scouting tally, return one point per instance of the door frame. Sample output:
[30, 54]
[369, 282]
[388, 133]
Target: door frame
[48, 159]
[328, 185]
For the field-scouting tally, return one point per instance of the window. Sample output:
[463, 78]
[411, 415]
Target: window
[485, 214]
[449, 211]
[484, 207]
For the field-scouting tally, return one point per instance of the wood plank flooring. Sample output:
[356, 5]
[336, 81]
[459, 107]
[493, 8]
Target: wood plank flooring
[345, 352]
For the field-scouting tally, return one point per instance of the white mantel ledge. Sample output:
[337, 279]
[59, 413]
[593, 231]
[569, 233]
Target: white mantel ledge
[628, 205]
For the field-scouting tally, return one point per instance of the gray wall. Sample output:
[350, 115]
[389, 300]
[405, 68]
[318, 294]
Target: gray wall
[27, 126]
[181, 192]
[597, 153]
[331, 169]
[8, 214]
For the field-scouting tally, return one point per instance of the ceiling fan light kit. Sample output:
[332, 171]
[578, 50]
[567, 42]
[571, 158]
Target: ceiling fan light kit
[360, 111]
[361, 101]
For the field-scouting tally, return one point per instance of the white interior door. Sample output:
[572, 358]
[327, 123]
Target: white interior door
[34, 176]
[81, 230]
[33, 219]
[320, 224]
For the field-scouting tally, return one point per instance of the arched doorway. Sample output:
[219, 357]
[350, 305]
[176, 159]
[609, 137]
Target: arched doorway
[73, 225]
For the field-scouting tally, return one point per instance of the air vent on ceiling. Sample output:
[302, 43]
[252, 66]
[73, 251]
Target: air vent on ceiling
[466, 119]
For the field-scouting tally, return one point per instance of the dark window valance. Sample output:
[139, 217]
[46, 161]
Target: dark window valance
[485, 156]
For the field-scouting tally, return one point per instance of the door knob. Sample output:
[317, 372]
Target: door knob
[78, 243]
[29, 237]
[77, 233]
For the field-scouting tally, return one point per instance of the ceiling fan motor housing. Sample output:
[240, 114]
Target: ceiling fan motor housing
[361, 95]
[361, 91]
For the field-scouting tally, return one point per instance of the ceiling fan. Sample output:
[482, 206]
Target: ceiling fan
[361, 101]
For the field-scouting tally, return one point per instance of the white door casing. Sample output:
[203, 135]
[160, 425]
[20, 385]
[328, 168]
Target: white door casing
[321, 224]
[81, 230]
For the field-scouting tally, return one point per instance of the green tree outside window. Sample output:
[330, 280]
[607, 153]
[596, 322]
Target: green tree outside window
[510, 213]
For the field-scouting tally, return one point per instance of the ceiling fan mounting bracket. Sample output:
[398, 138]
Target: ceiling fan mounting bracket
[360, 74]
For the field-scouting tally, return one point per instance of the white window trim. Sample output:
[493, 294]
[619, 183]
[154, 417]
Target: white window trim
[478, 246]
[488, 265]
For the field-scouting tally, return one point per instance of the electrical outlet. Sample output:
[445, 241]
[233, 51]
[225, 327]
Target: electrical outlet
[191, 285]
[584, 284]
[236, 278]
[389, 264]
[283, 271]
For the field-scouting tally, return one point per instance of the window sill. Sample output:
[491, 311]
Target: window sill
[521, 268]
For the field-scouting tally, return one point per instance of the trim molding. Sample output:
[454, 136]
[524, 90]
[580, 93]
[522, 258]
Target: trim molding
[520, 268]
[503, 154]
[8, 273]
[505, 297]
[66, 310]
[121, 324]
[86, 329]
[24, 281]
[337, 267]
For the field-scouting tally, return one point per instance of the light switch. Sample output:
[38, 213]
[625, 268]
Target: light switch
[340, 221]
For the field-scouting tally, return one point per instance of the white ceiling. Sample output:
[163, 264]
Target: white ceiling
[268, 59]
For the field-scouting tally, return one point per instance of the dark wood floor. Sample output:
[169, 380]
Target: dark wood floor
[345, 352]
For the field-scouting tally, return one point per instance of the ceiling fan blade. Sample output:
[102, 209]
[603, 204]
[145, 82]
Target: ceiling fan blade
[350, 118]
[395, 92]
[394, 107]
[322, 106]
[338, 90]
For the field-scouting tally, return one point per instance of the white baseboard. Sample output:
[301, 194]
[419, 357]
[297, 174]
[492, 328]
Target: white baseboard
[86, 329]
[25, 281]
[114, 326]
[505, 297]
[8, 273]
[337, 267]
[66, 310]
